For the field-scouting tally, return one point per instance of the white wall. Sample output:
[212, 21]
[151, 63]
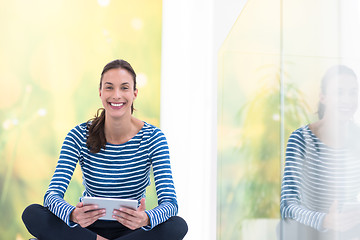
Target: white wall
[193, 31]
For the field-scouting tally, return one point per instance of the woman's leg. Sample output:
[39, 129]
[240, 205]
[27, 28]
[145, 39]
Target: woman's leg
[44, 225]
[175, 228]
[109, 229]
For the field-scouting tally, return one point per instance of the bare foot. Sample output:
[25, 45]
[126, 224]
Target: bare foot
[100, 238]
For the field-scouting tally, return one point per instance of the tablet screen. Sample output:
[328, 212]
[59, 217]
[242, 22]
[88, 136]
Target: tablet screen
[110, 204]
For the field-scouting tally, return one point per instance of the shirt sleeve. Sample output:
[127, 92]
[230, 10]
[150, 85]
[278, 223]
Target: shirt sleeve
[54, 196]
[167, 203]
[291, 203]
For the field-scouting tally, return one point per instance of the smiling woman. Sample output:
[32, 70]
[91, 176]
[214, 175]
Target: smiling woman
[50, 83]
[115, 151]
[320, 187]
[115, 87]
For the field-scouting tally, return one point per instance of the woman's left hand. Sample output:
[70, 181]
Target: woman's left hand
[132, 219]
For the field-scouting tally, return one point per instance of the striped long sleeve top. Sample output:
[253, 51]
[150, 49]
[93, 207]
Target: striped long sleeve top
[118, 171]
[316, 175]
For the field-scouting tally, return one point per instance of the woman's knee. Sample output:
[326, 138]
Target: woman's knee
[30, 214]
[177, 227]
[181, 224]
[33, 218]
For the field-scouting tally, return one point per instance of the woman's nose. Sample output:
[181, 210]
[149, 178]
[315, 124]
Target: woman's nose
[117, 94]
[347, 100]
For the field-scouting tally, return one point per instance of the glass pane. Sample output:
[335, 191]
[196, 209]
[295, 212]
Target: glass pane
[249, 125]
[274, 70]
[320, 185]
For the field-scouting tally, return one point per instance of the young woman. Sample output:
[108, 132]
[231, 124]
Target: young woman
[321, 185]
[115, 152]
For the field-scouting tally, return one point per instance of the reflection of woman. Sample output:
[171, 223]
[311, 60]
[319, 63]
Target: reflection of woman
[321, 175]
[115, 152]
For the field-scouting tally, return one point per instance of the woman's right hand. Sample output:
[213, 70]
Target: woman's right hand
[86, 215]
[341, 221]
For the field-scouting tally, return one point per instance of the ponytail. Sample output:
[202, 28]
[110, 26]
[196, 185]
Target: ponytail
[96, 136]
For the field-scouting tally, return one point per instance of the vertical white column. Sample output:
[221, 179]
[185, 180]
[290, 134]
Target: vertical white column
[193, 32]
[188, 110]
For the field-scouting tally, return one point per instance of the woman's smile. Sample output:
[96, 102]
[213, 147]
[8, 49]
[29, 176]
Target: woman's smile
[118, 92]
[115, 105]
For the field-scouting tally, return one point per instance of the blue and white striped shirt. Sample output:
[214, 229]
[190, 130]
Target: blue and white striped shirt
[316, 175]
[119, 171]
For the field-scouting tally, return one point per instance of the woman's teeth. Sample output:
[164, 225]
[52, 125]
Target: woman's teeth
[116, 104]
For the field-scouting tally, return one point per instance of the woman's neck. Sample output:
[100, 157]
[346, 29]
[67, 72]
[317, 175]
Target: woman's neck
[332, 133]
[118, 131]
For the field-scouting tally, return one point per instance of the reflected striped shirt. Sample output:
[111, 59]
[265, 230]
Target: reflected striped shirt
[316, 175]
[118, 171]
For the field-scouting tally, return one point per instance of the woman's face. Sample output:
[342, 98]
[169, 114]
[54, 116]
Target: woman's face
[340, 98]
[117, 92]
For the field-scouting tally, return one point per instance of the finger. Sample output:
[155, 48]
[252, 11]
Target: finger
[90, 217]
[95, 214]
[126, 211]
[128, 215]
[87, 222]
[127, 223]
[79, 205]
[92, 207]
[142, 206]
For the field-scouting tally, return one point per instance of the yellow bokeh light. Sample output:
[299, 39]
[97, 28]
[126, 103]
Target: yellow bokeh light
[103, 3]
[137, 23]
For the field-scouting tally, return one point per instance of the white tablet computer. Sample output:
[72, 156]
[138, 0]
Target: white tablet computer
[110, 204]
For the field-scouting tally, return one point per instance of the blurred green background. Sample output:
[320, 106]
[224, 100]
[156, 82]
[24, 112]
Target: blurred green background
[52, 54]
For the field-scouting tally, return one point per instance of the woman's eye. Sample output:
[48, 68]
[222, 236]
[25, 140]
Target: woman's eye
[125, 88]
[108, 88]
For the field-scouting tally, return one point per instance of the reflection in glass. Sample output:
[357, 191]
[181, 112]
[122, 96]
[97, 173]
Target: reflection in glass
[321, 185]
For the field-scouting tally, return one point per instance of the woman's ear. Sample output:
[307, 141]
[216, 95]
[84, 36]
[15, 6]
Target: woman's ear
[99, 92]
[135, 93]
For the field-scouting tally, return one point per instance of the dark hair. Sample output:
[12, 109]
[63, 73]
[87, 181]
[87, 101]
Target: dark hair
[334, 71]
[96, 137]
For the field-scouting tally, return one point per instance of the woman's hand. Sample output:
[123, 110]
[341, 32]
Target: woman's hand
[341, 221]
[132, 219]
[86, 215]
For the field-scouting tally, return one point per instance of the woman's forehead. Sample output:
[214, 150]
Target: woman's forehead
[343, 81]
[117, 75]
